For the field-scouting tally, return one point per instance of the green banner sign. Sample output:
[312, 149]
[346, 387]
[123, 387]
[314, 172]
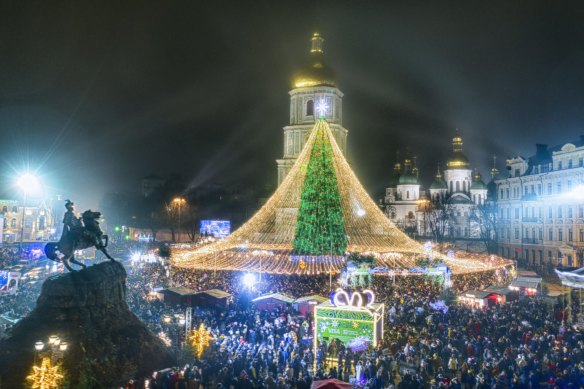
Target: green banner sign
[344, 325]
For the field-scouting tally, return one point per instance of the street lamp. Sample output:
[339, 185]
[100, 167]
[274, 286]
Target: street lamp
[28, 183]
[423, 206]
[179, 202]
[48, 374]
[54, 340]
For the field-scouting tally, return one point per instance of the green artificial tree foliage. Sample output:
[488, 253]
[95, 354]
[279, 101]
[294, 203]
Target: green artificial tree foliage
[320, 228]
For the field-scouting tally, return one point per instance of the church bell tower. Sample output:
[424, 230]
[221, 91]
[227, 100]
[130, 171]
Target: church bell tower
[314, 95]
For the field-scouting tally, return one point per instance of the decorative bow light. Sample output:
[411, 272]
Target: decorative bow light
[341, 298]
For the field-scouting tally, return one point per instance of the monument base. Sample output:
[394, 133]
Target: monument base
[107, 344]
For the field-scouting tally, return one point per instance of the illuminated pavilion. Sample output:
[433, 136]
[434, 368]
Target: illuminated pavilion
[318, 216]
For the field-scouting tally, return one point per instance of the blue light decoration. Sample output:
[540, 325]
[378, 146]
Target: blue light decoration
[341, 298]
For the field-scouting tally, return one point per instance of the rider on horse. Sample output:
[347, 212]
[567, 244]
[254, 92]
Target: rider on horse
[78, 234]
[71, 223]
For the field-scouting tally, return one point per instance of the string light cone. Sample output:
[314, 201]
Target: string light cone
[46, 376]
[200, 340]
[317, 217]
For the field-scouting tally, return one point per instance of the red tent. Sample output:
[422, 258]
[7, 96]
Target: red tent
[331, 384]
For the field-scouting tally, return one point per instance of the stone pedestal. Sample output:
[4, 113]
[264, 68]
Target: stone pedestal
[108, 344]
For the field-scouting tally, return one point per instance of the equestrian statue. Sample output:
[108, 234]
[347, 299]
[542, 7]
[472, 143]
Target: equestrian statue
[78, 234]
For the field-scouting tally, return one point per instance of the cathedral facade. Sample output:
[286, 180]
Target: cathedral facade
[314, 95]
[448, 209]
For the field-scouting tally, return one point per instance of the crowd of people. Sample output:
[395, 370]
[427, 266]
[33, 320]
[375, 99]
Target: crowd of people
[429, 341]
[520, 344]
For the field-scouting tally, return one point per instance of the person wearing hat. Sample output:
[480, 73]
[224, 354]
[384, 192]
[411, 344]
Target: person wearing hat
[71, 222]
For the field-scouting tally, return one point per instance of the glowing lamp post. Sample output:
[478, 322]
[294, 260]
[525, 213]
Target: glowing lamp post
[49, 373]
[28, 183]
[179, 202]
[423, 205]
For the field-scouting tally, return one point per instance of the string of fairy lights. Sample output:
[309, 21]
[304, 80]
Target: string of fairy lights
[320, 227]
[268, 242]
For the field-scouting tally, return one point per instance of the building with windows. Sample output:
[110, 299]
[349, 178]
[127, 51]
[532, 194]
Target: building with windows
[314, 94]
[402, 196]
[30, 223]
[541, 207]
[447, 210]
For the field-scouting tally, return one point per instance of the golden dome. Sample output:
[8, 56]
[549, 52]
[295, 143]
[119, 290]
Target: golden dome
[457, 160]
[316, 72]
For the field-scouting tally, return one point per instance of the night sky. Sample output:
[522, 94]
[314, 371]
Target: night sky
[94, 96]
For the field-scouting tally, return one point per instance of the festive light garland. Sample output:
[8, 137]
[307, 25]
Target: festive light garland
[200, 340]
[288, 235]
[46, 376]
[320, 229]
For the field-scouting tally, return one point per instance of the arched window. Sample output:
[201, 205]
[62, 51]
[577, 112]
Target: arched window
[5, 209]
[42, 223]
[393, 215]
[458, 186]
[407, 194]
[14, 209]
[451, 188]
[13, 223]
[310, 108]
[5, 223]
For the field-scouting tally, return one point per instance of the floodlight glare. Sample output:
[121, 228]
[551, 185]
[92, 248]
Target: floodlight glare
[28, 183]
[249, 280]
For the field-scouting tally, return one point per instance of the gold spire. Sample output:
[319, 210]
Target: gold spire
[458, 160]
[457, 143]
[317, 41]
[494, 170]
[397, 164]
[316, 72]
[415, 171]
[438, 175]
[477, 175]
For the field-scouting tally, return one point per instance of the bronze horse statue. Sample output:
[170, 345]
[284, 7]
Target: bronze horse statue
[89, 235]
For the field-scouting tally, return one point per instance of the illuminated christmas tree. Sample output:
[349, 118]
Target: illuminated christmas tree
[319, 209]
[320, 229]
